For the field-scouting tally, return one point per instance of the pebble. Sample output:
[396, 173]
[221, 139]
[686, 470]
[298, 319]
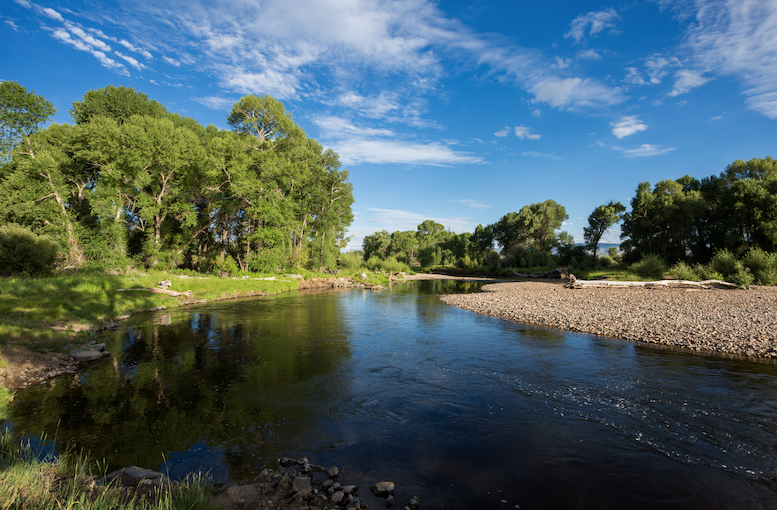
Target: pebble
[723, 321]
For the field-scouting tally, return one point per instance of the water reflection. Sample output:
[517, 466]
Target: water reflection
[398, 385]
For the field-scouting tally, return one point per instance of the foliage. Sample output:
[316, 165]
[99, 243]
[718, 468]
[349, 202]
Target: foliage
[651, 266]
[132, 181]
[682, 271]
[742, 278]
[601, 219]
[762, 265]
[725, 263]
[21, 251]
[21, 113]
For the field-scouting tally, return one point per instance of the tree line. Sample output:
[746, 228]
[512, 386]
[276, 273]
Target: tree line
[683, 220]
[130, 182]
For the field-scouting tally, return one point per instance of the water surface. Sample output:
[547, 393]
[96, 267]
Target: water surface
[461, 409]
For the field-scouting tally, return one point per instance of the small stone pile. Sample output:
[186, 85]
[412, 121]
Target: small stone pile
[89, 352]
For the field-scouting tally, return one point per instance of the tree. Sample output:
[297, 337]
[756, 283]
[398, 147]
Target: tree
[117, 103]
[265, 119]
[603, 217]
[541, 221]
[21, 113]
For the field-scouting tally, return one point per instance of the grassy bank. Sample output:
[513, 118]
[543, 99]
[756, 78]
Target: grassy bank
[68, 482]
[50, 312]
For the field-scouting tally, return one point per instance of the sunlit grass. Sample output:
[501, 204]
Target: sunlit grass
[51, 312]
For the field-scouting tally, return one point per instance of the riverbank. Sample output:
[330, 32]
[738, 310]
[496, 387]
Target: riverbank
[722, 321]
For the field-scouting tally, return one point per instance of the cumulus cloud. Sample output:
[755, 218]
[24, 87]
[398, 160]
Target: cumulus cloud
[503, 132]
[633, 77]
[51, 13]
[173, 62]
[627, 125]
[594, 22]
[524, 132]
[588, 54]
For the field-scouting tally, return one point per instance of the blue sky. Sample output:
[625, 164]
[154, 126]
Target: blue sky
[448, 111]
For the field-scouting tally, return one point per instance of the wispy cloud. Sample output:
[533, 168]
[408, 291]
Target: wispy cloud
[524, 132]
[594, 22]
[534, 154]
[589, 54]
[502, 133]
[474, 204]
[686, 80]
[713, 119]
[356, 151]
[393, 220]
[645, 150]
[576, 92]
[627, 125]
[214, 102]
[739, 38]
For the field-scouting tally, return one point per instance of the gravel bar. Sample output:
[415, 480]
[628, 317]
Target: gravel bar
[738, 322]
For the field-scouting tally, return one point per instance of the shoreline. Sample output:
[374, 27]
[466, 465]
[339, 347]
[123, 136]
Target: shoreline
[727, 322]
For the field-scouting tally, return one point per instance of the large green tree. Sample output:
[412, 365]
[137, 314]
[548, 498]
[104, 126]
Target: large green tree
[21, 113]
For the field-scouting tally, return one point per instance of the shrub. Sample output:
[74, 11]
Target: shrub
[350, 261]
[725, 263]
[762, 265]
[373, 263]
[493, 261]
[225, 265]
[392, 265]
[743, 278]
[683, 271]
[651, 266]
[22, 251]
[605, 261]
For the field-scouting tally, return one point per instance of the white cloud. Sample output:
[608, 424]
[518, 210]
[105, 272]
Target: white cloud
[339, 128]
[64, 36]
[713, 119]
[596, 22]
[633, 77]
[576, 92]
[474, 204]
[534, 154]
[173, 62]
[562, 63]
[23, 3]
[643, 151]
[51, 13]
[278, 84]
[524, 132]
[657, 67]
[503, 132]
[686, 80]
[12, 25]
[131, 61]
[214, 102]
[134, 48]
[739, 38]
[357, 151]
[536, 114]
[627, 125]
[588, 54]
[393, 220]
[88, 39]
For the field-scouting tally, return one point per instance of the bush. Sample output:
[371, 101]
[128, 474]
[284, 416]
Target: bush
[605, 261]
[350, 261]
[743, 278]
[392, 265]
[22, 251]
[725, 263]
[651, 266]
[493, 261]
[226, 266]
[373, 263]
[762, 265]
[683, 271]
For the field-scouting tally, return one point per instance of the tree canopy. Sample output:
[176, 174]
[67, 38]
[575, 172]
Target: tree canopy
[21, 113]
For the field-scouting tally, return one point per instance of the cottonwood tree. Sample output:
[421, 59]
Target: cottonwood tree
[21, 113]
[601, 219]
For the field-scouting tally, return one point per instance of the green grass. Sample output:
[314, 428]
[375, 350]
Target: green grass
[615, 273]
[67, 482]
[50, 312]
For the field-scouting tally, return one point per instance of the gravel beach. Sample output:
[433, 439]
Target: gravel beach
[738, 322]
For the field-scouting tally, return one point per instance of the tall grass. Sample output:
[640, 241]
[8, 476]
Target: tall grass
[69, 482]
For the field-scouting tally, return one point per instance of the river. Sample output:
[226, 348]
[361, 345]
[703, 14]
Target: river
[461, 409]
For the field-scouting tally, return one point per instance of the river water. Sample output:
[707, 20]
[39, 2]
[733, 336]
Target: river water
[461, 409]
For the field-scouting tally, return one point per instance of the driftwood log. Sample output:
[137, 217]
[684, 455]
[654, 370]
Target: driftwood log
[574, 283]
[159, 291]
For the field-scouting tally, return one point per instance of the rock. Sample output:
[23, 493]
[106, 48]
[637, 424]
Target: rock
[350, 489]
[301, 484]
[327, 483]
[133, 475]
[390, 500]
[383, 489]
[333, 472]
[354, 504]
[317, 469]
[88, 355]
[415, 502]
[286, 462]
[165, 284]
[338, 497]
[302, 461]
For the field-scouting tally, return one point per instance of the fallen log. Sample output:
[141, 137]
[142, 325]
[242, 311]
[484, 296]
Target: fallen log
[574, 283]
[556, 274]
[159, 291]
